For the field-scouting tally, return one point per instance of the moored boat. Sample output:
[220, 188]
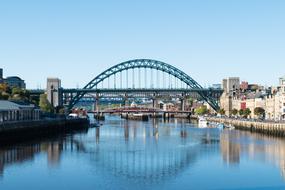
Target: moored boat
[230, 127]
[220, 126]
[202, 123]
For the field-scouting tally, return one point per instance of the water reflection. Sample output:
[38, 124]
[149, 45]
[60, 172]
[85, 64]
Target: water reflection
[17, 155]
[21, 153]
[144, 160]
[27, 152]
[237, 144]
[147, 153]
[230, 150]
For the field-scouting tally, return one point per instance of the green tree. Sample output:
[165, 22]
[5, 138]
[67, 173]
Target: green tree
[18, 91]
[190, 100]
[201, 110]
[259, 112]
[241, 112]
[222, 111]
[44, 104]
[234, 112]
[247, 112]
[19, 94]
[4, 96]
[4, 91]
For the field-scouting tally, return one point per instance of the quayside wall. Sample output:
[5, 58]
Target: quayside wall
[265, 127]
[26, 129]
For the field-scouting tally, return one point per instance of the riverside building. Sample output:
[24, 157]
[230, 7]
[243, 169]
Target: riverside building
[272, 100]
[11, 111]
[12, 81]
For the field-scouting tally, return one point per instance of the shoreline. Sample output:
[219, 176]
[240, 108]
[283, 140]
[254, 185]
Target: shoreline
[20, 130]
[268, 128]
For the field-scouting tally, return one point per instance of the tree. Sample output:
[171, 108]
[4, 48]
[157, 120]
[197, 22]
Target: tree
[222, 111]
[4, 91]
[259, 112]
[247, 112]
[20, 94]
[234, 112]
[4, 87]
[18, 91]
[241, 112]
[44, 104]
[190, 102]
[4, 96]
[201, 110]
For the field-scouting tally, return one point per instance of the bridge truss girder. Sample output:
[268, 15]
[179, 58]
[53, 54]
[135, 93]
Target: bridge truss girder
[146, 63]
[93, 94]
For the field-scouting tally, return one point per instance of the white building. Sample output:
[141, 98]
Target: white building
[11, 111]
[282, 81]
[275, 105]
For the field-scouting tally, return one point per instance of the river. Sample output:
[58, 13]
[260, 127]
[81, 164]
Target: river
[157, 154]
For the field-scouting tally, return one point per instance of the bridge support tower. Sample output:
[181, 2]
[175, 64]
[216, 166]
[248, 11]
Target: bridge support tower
[183, 101]
[54, 92]
[125, 100]
[98, 115]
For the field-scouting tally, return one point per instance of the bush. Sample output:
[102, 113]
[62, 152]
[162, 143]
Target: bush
[234, 112]
[201, 110]
[44, 104]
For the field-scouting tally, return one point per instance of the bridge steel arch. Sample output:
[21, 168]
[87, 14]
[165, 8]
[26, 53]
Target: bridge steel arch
[151, 64]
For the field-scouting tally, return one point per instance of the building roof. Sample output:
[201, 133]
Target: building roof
[253, 95]
[14, 77]
[6, 105]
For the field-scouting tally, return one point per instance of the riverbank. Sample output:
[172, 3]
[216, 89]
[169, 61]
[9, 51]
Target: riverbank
[268, 128]
[18, 130]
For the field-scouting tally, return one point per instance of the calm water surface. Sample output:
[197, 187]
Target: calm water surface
[146, 155]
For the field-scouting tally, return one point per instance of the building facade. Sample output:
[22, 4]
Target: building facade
[282, 81]
[244, 85]
[231, 85]
[11, 111]
[272, 100]
[275, 104]
[13, 81]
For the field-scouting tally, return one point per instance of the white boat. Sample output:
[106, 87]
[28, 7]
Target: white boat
[230, 127]
[73, 115]
[202, 123]
[220, 126]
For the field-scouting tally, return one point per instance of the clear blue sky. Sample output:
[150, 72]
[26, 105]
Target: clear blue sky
[76, 40]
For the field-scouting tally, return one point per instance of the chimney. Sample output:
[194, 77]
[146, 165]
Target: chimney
[1, 73]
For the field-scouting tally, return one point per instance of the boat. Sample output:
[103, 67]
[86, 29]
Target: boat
[73, 115]
[220, 126]
[230, 127]
[135, 116]
[202, 123]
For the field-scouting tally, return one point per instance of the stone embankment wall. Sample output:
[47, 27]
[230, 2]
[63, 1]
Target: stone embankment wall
[269, 128]
[24, 129]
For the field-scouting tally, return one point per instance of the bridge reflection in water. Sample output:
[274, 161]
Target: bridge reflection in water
[142, 157]
[147, 152]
